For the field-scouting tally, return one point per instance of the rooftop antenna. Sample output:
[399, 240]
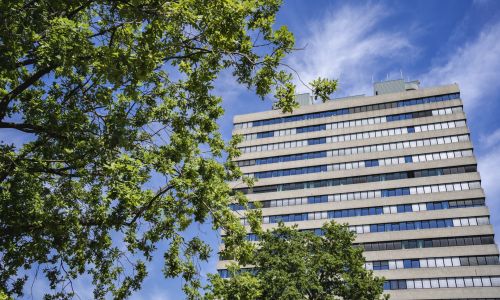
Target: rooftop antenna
[401, 72]
[372, 79]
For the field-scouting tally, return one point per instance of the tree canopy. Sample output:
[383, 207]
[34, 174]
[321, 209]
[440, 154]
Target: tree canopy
[293, 264]
[105, 97]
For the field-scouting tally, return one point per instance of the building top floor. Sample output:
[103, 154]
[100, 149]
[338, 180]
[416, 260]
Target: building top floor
[384, 95]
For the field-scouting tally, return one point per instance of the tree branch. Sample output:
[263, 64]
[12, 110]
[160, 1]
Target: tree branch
[148, 205]
[26, 62]
[4, 102]
[76, 11]
[30, 128]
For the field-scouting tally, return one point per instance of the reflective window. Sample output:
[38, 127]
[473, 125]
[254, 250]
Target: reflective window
[351, 110]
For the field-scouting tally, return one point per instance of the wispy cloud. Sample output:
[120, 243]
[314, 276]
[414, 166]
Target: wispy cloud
[489, 164]
[482, 2]
[155, 294]
[490, 140]
[475, 67]
[227, 87]
[348, 44]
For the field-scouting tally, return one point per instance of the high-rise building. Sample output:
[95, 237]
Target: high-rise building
[398, 167]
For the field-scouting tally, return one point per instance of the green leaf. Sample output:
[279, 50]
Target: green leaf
[292, 264]
[123, 151]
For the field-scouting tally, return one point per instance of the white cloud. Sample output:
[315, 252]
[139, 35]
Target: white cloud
[489, 164]
[347, 44]
[156, 294]
[482, 2]
[37, 287]
[475, 67]
[227, 87]
[490, 140]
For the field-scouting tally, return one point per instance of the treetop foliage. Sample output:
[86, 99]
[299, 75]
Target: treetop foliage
[107, 96]
[293, 264]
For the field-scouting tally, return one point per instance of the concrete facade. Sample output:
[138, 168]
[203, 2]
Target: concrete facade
[442, 196]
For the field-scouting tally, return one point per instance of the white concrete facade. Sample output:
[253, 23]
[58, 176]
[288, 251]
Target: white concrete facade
[451, 254]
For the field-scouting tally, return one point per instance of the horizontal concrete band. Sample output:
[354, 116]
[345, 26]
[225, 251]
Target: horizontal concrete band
[446, 293]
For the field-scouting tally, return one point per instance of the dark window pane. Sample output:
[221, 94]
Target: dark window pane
[492, 260]
[464, 261]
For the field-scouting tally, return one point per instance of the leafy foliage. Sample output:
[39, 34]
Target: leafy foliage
[292, 264]
[109, 95]
[323, 88]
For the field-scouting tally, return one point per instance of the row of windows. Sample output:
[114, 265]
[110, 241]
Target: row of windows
[284, 158]
[353, 136]
[358, 179]
[440, 155]
[368, 211]
[416, 225]
[363, 164]
[451, 204]
[224, 273]
[352, 110]
[288, 172]
[420, 114]
[415, 244]
[443, 171]
[403, 226]
[414, 158]
[357, 150]
[352, 123]
[429, 243]
[408, 244]
[432, 283]
[413, 263]
[448, 282]
[418, 190]
[435, 262]
[434, 188]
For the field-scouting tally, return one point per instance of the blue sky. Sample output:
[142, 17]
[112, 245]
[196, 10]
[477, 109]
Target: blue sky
[436, 42]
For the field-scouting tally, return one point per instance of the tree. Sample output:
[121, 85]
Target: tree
[107, 96]
[292, 264]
